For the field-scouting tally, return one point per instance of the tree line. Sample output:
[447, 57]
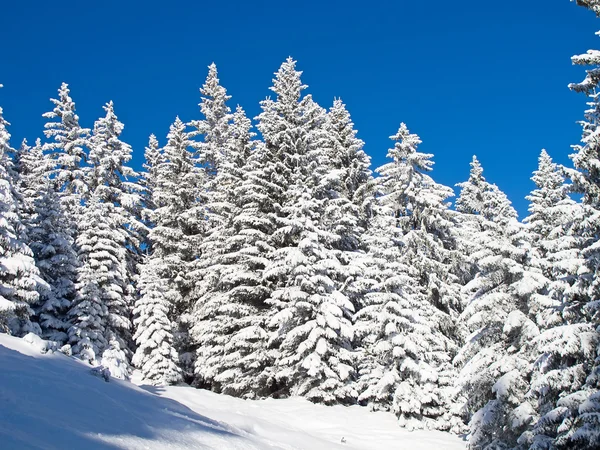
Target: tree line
[275, 263]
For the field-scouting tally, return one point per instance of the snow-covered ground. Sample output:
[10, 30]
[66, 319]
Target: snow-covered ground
[50, 401]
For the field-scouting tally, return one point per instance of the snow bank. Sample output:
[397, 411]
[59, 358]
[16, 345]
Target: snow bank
[51, 401]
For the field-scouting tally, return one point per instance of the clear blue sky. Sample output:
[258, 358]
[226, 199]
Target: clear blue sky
[470, 77]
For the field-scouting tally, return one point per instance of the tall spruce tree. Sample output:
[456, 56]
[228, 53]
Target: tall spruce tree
[574, 422]
[67, 147]
[179, 224]
[495, 362]
[53, 248]
[155, 355]
[19, 276]
[106, 277]
[406, 324]
[309, 315]
[230, 313]
[554, 252]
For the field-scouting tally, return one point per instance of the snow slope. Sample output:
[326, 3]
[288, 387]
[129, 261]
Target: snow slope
[50, 401]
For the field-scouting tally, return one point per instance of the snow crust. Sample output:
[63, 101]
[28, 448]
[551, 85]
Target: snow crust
[51, 401]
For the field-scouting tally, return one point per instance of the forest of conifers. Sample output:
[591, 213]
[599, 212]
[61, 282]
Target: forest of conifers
[264, 258]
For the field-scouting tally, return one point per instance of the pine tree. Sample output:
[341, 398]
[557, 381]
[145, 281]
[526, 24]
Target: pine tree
[105, 245]
[345, 185]
[229, 315]
[306, 304]
[179, 223]
[19, 277]
[406, 324]
[496, 360]
[557, 369]
[215, 126]
[574, 420]
[153, 156]
[67, 148]
[470, 200]
[155, 355]
[52, 246]
[111, 180]
[101, 288]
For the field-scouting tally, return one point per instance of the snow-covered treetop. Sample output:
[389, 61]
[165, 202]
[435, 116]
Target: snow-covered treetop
[288, 87]
[405, 150]
[151, 154]
[214, 101]
[549, 182]
[470, 200]
[108, 156]
[64, 109]
[406, 186]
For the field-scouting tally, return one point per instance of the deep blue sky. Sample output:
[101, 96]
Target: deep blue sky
[470, 77]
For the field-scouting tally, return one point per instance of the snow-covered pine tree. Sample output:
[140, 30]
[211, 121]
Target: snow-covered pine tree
[310, 317]
[346, 183]
[106, 246]
[155, 355]
[153, 156]
[573, 350]
[179, 224]
[470, 200]
[222, 176]
[405, 327]
[496, 360]
[348, 191]
[100, 282]
[553, 250]
[215, 127]
[19, 276]
[44, 220]
[230, 314]
[68, 141]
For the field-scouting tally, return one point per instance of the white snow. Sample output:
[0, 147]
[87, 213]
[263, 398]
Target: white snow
[51, 401]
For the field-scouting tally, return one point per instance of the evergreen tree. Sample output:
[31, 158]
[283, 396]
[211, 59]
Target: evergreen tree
[100, 280]
[470, 200]
[67, 148]
[406, 324]
[155, 355]
[52, 246]
[346, 183]
[496, 360]
[309, 316]
[229, 315]
[558, 368]
[19, 277]
[214, 128]
[105, 245]
[178, 227]
[153, 156]
[574, 420]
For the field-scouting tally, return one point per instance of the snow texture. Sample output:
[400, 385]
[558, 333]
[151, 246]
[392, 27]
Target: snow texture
[50, 401]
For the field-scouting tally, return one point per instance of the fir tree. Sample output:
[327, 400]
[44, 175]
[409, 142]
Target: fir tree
[52, 246]
[178, 228]
[229, 315]
[574, 423]
[155, 355]
[303, 269]
[19, 277]
[215, 127]
[406, 324]
[67, 148]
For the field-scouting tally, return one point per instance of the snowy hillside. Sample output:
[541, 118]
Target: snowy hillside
[50, 401]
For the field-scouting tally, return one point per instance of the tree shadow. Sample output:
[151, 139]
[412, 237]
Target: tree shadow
[53, 402]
